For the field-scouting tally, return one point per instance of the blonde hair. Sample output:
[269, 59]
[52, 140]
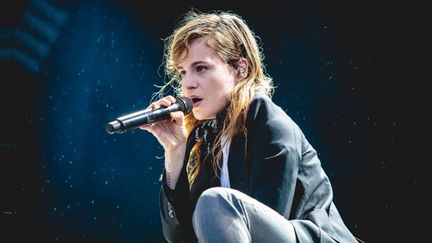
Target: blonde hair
[232, 40]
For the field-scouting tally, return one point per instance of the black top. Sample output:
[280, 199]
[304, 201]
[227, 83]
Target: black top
[275, 148]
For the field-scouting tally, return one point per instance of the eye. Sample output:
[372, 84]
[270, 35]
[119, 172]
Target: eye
[200, 68]
[182, 72]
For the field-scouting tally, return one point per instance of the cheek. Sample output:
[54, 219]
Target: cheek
[227, 87]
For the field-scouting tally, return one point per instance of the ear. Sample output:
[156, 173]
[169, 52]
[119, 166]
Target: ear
[242, 69]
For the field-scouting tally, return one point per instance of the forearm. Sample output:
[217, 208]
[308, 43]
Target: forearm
[173, 165]
[176, 223]
[176, 207]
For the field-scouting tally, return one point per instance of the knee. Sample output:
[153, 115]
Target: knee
[219, 215]
[210, 198]
[211, 201]
[213, 194]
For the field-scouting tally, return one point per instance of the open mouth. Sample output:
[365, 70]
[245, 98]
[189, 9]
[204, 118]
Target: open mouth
[196, 100]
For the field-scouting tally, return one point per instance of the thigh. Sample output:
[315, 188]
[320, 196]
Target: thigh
[264, 223]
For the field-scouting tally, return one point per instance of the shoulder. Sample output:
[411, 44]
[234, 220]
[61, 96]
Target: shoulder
[271, 133]
[269, 119]
[262, 110]
[258, 101]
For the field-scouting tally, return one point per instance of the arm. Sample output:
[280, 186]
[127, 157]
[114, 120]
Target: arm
[175, 206]
[273, 150]
[286, 174]
[176, 211]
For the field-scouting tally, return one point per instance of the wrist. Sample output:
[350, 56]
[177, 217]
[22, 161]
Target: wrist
[173, 165]
[175, 151]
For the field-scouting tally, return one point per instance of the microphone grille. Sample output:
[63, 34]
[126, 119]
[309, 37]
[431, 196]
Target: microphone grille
[185, 104]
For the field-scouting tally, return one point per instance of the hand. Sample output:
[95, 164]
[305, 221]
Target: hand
[170, 133]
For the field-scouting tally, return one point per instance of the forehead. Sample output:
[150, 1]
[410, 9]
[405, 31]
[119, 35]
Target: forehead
[199, 50]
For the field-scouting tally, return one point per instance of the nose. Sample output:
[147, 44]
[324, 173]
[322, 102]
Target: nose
[189, 82]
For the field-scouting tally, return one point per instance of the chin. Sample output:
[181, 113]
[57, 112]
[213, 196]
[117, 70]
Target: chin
[198, 115]
[201, 116]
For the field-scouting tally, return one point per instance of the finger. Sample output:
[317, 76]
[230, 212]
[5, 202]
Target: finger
[152, 105]
[171, 99]
[178, 117]
[166, 101]
[146, 127]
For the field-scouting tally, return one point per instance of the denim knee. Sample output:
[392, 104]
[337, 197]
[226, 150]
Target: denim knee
[211, 200]
[219, 216]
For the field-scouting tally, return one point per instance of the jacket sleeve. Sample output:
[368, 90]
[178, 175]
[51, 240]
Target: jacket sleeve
[286, 175]
[176, 211]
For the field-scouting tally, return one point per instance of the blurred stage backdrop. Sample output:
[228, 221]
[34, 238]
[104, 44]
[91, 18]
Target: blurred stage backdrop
[70, 67]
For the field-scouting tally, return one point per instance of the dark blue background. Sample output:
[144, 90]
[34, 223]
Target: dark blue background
[347, 72]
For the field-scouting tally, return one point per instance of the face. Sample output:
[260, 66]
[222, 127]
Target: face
[206, 79]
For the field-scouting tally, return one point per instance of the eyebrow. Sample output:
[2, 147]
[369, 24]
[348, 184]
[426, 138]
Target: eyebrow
[193, 64]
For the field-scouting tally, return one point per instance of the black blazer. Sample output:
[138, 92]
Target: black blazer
[275, 165]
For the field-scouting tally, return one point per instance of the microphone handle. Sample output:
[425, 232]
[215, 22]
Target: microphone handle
[128, 122]
[146, 118]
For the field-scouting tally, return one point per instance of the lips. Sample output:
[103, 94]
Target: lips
[196, 101]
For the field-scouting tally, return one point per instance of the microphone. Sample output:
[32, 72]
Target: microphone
[139, 118]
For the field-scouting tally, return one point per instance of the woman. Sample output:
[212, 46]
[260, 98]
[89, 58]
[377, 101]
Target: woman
[237, 168]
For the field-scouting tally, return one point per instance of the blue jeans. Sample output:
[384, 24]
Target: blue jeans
[227, 215]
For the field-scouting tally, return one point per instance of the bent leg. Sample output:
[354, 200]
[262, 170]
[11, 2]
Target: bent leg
[227, 215]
